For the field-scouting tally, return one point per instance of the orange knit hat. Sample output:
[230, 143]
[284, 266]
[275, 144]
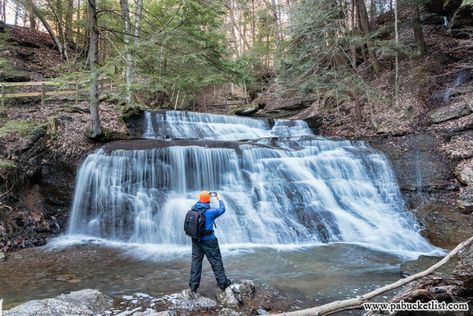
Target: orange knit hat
[204, 197]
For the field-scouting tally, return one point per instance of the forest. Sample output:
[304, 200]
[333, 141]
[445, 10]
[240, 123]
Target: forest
[333, 137]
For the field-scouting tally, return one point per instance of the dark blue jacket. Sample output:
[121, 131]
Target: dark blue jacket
[210, 215]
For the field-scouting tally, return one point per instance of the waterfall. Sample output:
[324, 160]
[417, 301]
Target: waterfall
[282, 185]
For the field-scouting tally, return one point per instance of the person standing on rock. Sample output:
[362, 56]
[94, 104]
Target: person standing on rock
[199, 225]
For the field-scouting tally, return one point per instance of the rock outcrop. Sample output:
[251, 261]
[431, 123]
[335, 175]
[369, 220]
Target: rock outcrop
[465, 199]
[451, 111]
[80, 303]
[464, 172]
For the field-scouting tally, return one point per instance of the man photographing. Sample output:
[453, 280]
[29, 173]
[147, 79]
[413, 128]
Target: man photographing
[198, 225]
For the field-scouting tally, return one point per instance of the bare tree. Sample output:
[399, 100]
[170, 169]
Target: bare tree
[418, 32]
[396, 32]
[277, 23]
[363, 14]
[3, 6]
[36, 12]
[69, 14]
[95, 129]
[129, 58]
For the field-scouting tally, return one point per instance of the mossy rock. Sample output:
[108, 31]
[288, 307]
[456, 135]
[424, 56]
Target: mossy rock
[129, 113]
[25, 128]
[7, 164]
[8, 73]
[108, 135]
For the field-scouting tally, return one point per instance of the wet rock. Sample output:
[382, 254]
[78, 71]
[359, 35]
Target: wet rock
[3, 256]
[424, 262]
[464, 172]
[443, 225]
[229, 312]
[151, 312]
[464, 268]
[417, 161]
[429, 18]
[465, 200]
[237, 294]
[84, 302]
[178, 301]
[451, 111]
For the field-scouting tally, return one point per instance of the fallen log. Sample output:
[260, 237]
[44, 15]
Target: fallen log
[353, 303]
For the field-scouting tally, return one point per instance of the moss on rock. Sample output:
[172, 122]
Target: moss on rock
[25, 128]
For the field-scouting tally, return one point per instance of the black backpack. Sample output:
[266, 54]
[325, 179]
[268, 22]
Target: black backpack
[194, 224]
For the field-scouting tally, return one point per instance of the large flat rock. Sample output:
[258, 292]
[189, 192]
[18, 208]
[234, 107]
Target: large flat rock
[80, 303]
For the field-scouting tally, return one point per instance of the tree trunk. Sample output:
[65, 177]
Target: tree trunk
[277, 30]
[31, 16]
[396, 78]
[233, 31]
[69, 14]
[128, 57]
[17, 13]
[136, 41]
[78, 25]
[95, 129]
[2, 10]
[253, 22]
[366, 30]
[47, 26]
[372, 10]
[418, 32]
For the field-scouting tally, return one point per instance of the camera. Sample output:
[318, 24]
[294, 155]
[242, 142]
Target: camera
[213, 194]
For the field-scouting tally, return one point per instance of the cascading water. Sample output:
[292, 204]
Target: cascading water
[282, 186]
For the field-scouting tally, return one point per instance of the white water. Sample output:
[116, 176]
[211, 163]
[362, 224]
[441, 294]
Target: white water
[287, 191]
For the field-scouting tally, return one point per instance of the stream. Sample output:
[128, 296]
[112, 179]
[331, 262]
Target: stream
[311, 218]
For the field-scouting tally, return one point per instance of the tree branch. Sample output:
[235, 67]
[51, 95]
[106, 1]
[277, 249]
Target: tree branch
[351, 303]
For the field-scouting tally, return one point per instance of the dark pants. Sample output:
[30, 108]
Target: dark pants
[211, 250]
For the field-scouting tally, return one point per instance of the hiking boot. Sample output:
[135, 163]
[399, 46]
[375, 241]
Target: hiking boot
[189, 294]
[227, 284]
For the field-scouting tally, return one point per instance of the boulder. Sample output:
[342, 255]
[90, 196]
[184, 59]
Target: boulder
[429, 18]
[14, 75]
[464, 172]
[465, 200]
[179, 301]
[151, 312]
[229, 312]
[237, 294]
[451, 111]
[464, 268]
[248, 109]
[83, 302]
[424, 262]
